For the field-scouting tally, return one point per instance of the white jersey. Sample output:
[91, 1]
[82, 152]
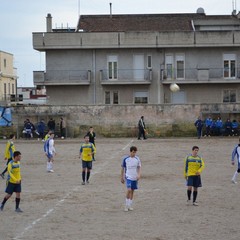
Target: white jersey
[49, 146]
[131, 165]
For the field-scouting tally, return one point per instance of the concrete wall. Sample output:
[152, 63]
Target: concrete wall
[121, 121]
[60, 62]
[86, 40]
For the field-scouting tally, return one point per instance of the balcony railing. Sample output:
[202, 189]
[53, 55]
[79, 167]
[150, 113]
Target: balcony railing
[193, 75]
[62, 77]
[126, 76]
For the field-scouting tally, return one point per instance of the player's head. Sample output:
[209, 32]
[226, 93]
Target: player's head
[51, 134]
[86, 138]
[195, 147]
[133, 151]
[17, 155]
[195, 150]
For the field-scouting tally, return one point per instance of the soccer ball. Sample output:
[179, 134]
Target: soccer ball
[174, 87]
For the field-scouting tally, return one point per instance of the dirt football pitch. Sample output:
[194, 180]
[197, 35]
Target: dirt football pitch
[57, 207]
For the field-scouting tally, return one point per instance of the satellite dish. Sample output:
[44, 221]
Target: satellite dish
[200, 11]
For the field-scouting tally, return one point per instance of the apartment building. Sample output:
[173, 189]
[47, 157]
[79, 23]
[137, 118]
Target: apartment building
[133, 59]
[8, 77]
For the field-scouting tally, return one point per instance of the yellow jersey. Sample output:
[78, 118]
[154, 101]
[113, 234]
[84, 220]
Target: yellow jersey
[193, 165]
[9, 150]
[14, 174]
[87, 150]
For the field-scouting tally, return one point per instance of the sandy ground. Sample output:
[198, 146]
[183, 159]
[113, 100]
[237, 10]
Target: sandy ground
[57, 206]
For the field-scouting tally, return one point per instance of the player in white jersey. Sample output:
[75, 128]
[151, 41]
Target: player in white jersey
[130, 173]
[50, 151]
[236, 152]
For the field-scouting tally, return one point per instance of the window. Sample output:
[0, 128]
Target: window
[112, 67]
[149, 62]
[229, 66]
[5, 62]
[107, 97]
[115, 97]
[111, 97]
[180, 67]
[229, 96]
[9, 89]
[169, 67]
[141, 97]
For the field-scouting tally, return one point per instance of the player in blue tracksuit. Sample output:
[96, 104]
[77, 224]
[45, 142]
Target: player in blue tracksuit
[208, 124]
[236, 153]
[219, 125]
[199, 125]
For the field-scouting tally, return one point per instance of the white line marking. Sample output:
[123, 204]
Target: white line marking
[60, 202]
[127, 145]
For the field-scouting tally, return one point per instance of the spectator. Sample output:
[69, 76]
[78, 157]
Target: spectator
[213, 128]
[219, 126]
[41, 129]
[28, 128]
[141, 128]
[92, 138]
[228, 128]
[51, 125]
[208, 124]
[199, 125]
[62, 128]
[235, 128]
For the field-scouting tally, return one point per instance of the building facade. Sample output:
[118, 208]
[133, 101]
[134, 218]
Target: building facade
[8, 78]
[133, 59]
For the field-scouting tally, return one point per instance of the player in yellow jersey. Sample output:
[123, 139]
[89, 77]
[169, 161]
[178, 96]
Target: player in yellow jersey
[193, 167]
[13, 181]
[86, 153]
[9, 150]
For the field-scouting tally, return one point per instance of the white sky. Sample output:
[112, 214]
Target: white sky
[19, 18]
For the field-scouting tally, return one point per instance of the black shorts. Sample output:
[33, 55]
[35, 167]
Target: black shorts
[13, 187]
[194, 181]
[87, 164]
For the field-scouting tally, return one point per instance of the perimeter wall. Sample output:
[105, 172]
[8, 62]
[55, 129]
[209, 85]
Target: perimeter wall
[121, 121]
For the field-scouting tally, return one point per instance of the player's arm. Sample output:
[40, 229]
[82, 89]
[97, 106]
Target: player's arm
[201, 168]
[80, 152]
[234, 152]
[7, 151]
[138, 172]
[122, 175]
[185, 168]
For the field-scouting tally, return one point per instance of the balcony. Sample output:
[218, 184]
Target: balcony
[61, 77]
[126, 77]
[200, 75]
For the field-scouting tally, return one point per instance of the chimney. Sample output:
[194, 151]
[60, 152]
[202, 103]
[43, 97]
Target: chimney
[110, 10]
[49, 22]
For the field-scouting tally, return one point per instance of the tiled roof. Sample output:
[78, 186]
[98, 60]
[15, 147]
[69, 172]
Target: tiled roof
[143, 22]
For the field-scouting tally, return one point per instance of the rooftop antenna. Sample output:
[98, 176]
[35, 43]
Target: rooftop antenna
[234, 6]
[78, 8]
[110, 9]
